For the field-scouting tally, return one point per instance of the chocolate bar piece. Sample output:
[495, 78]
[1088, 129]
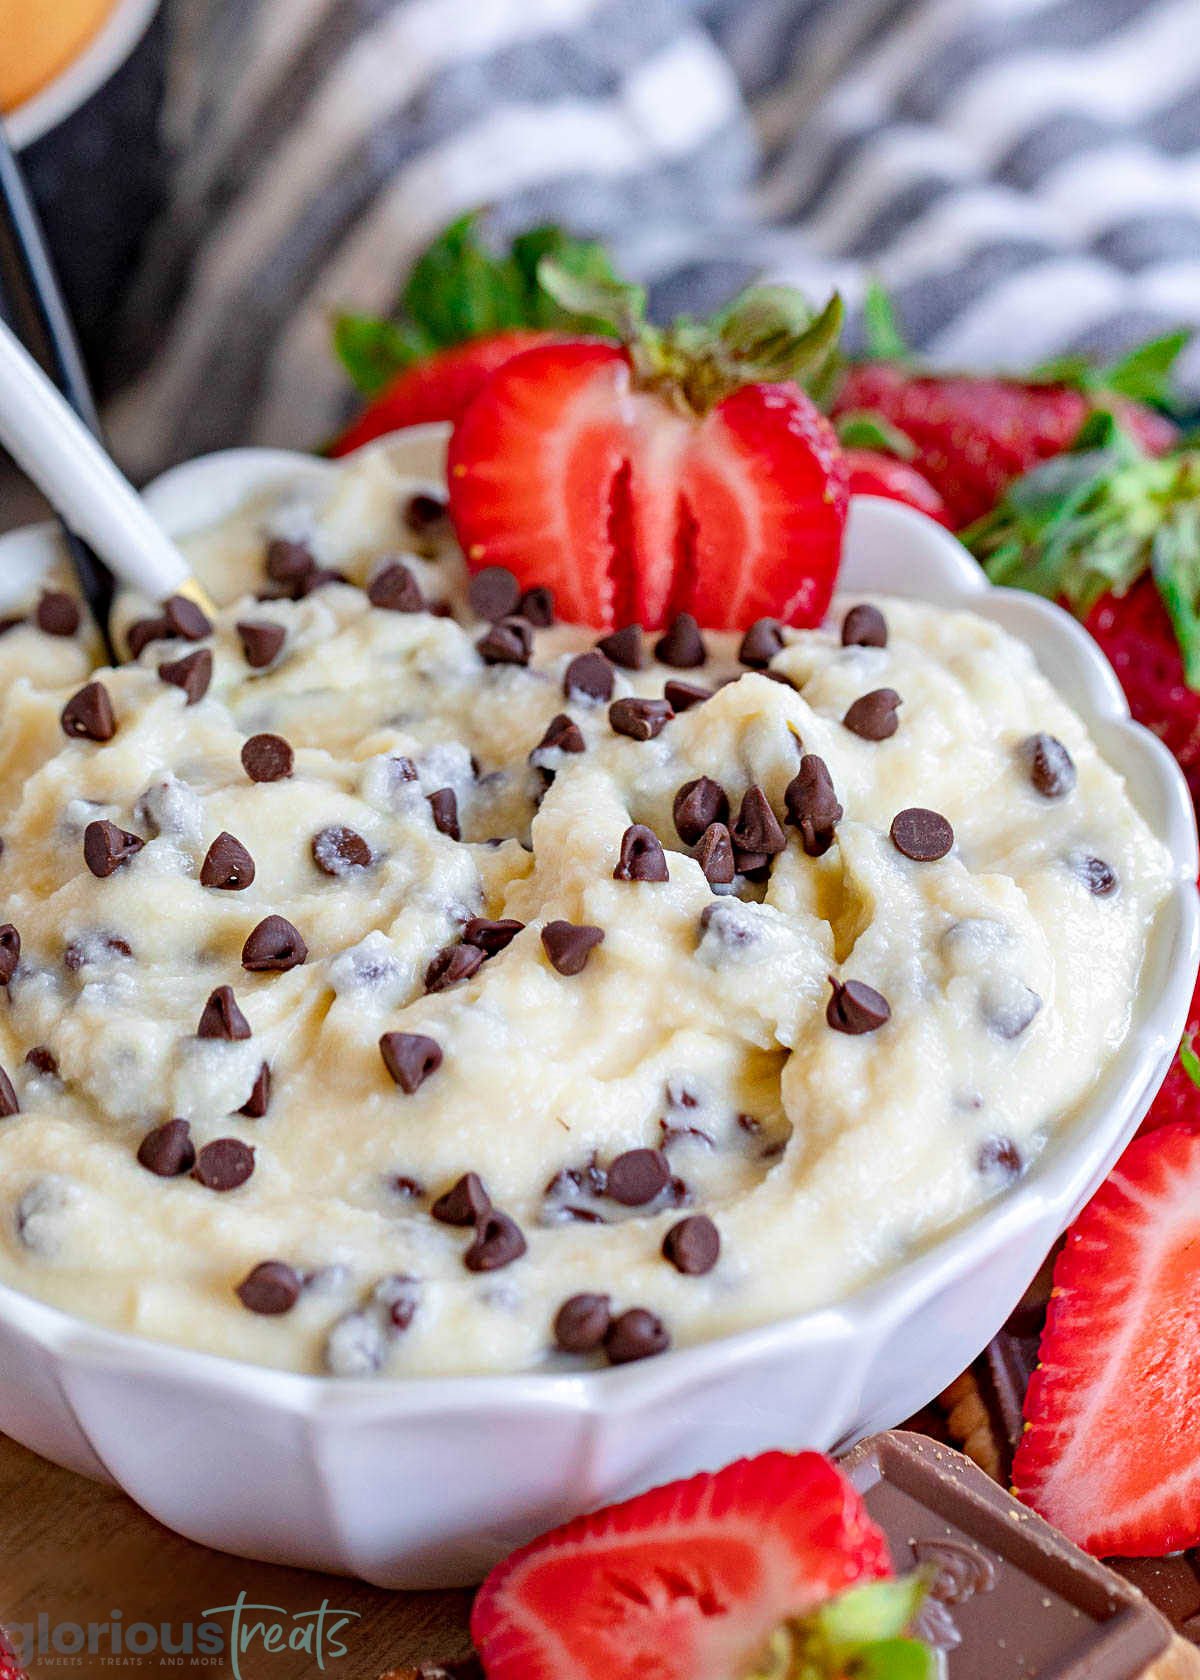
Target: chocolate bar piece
[1011, 1598]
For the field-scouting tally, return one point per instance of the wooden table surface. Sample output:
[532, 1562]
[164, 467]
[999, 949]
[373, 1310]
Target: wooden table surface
[75, 1551]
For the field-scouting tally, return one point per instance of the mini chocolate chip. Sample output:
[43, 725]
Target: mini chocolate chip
[642, 857]
[537, 606]
[508, 642]
[864, 626]
[10, 952]
[625, 647]
[1098, 877]
[683, 646]
[395, 589]
[8, 1097]
[260, 641]
[106, 847]
[569, 945]
[697, 806]
[638, 1176]
[259, 1100]
[465, 1203]
[714, 854]
[872, 716]
[338, 849]
[410, 1058]
[761, 643]
[1008, 1005]
[757, 828]
[274, 946]
[581, 1322]
[563, 733]
[636, 1334]
[185, 619]
[318, 578]
[410, 1188]
[168, 1151]
[225, 1164]
[589, 676]
[42, 1060]
[57, 613]
[78, 951]
[267, 758]
[192, 673]
[289, 563]
[1000, 1158]
[924, 836]
[452, 965]
[271, 1288]
[1051, 767]
[812, 805]
[10, 621]
[498, 1242]
[88, 715]
[755, 866]
[444, 806]
[693, 1246]
[227, 865]
[222, 1018]
[855, 1008]
[491, 937]
[641, 720]
[143, 631]
[494, 593]
[424, 510]
[682, 696]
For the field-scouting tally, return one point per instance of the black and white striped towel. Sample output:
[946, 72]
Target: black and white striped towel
[1024, 175]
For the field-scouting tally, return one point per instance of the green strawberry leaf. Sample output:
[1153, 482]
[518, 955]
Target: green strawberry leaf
[1189, 1060]
[1175, 564]
[458, 290]
[373, 351]
[621, 306]
[865, 1615]
[895, 1659]
[860, 429]
[1144, 375]
[885, 341]
[585, 258]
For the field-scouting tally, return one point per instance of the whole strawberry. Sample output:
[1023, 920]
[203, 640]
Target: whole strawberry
[10, 1669]
[683, 470]
[1115, 535]
[971, 435]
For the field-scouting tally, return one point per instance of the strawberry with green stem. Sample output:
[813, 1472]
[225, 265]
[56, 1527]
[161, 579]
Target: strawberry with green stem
[1115, 535]
[682, 469]
[971, 435]
[465, 311]
[770, 1569]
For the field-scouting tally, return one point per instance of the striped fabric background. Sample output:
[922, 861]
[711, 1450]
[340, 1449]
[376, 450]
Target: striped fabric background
[1023, 174]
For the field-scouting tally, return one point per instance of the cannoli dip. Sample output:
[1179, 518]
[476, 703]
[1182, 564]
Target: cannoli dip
[393, 981]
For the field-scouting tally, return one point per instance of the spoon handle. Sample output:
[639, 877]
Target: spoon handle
[52, 445]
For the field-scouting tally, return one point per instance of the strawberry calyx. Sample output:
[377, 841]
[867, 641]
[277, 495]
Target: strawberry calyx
[862, 1635]
[767, 335]
[1189, 1061]
[860, 428]
[1091, 522]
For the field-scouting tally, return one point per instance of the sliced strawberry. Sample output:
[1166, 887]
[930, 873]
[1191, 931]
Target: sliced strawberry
[640, 484]
[438, 388]
[685, 1583]
[1111, 1452]
[872, 473]
[1179, 1096]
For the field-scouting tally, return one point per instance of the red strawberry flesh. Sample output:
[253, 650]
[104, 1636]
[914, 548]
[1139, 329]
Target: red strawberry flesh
[684, 1583]
[1111, 1452]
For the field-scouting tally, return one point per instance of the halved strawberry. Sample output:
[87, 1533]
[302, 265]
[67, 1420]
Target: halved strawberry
[1111, 1452]
[437, 388]
[678, 473]
[689, 1582]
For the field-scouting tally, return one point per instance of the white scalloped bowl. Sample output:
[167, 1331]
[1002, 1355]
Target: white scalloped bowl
[427, 1482]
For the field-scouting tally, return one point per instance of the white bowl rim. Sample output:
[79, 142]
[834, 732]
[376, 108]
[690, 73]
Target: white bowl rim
[85, 75]
[1060, 1177]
